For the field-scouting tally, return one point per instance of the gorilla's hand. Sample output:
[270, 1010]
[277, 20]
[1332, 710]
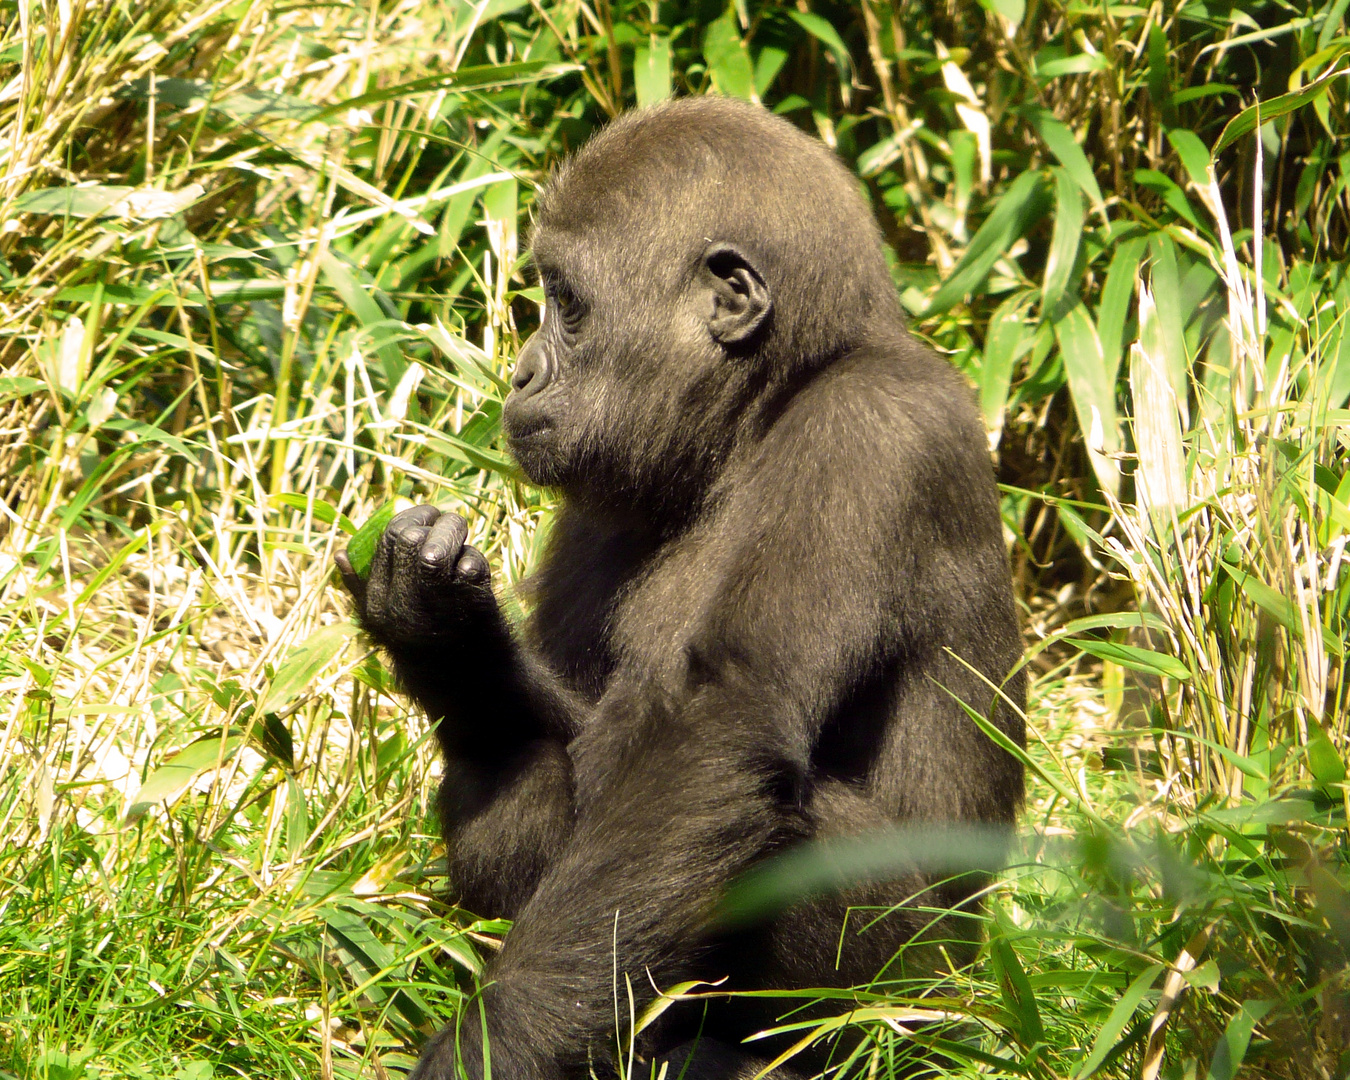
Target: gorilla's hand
[425, 586]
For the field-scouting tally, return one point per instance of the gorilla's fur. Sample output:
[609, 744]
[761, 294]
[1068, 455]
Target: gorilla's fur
[779, 532]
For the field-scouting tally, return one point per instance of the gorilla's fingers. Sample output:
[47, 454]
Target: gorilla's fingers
[351, 580]
[473, 567]
[410, 518]
[443, 542]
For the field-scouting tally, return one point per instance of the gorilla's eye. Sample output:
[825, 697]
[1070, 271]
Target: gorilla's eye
[570, 308]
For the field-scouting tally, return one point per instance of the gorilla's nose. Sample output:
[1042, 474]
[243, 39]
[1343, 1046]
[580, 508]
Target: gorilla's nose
[533, 370]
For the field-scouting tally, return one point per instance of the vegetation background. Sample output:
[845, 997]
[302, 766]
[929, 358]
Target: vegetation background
[261, 274]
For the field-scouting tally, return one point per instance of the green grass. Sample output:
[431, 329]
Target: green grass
[260, 276]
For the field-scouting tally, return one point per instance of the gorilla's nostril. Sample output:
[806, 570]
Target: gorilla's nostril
[532, 369]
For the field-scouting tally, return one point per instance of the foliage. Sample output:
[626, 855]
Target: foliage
[260, 277]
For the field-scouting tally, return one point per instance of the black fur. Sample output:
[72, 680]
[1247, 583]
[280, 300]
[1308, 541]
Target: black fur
[778, 518]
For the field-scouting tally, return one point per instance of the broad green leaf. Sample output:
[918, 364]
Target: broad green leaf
[1282, 610]
[20, 386]
[1135, 658]
[1245, 122]
[143, 432]
[128, 294]
[1324, 762]
[369, 313]
[1009, 336]
[1193, 154]
[297, 818]
[1021, 206]
[322, 511]
[1109, 1033]
[1159, 75]
[1166, 189]
[651, 72]
[1057, 136]
[1093, 390]
[482, 77]
[728, 59]
[1114, 305]
[479, 457]
[100, 199]
[304, 662]
[1018, 997]
[361, 549]
[1012, 10]
[1166, 280]
[172, 778]
[768, 64]
[1063, 244]
[824, 32]
[1232, 1045]
[1268, 812]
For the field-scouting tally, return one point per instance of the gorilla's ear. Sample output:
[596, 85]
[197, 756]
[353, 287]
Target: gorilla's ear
[740, 298]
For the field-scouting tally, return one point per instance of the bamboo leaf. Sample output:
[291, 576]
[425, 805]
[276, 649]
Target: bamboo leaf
[1114, 305]
[1135, 658]
[1057, 136]
[1245, 122]
[651, 72]
[1093, 390]
[1063, 244]
[1109, 1033]
[172, 778]
[304, 662]
[1023, 204]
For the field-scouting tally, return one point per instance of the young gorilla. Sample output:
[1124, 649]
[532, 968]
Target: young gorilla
[779, 528]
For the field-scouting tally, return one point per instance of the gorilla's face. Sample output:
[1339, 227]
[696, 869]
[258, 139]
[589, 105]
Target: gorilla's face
[631, 386]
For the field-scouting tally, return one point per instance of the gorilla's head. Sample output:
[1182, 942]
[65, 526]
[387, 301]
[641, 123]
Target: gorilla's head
[700, 260]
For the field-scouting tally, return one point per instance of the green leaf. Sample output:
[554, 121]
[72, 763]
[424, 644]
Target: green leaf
[1166, 280]
[1166, 189]
[361, 549]
[1021, 206]
[367, 311]
[275, 739]
[1057, 136]
[728, 59]
[1135, 658]
[322, 511]
[1274, 604]
[1245, 122]
[1018, 997]
[1114, 306]
[651, 72]
[303, 663]
[172, 778]
[100, 199]
[297, 818]
[1324, 762]
[1232, 1045]
[1009, 336]
[1193, 154]
[1093, 390]
[1109, 1032]
[481, 77]
[1063, 244]
[1159, 75]
[824, 32]
[1012, 10]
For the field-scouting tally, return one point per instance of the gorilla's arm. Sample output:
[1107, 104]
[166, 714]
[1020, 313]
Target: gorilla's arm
[504, 718]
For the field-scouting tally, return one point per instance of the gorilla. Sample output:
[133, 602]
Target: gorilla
[776, 573]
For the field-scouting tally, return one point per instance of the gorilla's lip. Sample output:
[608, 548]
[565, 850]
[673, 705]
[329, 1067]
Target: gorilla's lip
[526, 431]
